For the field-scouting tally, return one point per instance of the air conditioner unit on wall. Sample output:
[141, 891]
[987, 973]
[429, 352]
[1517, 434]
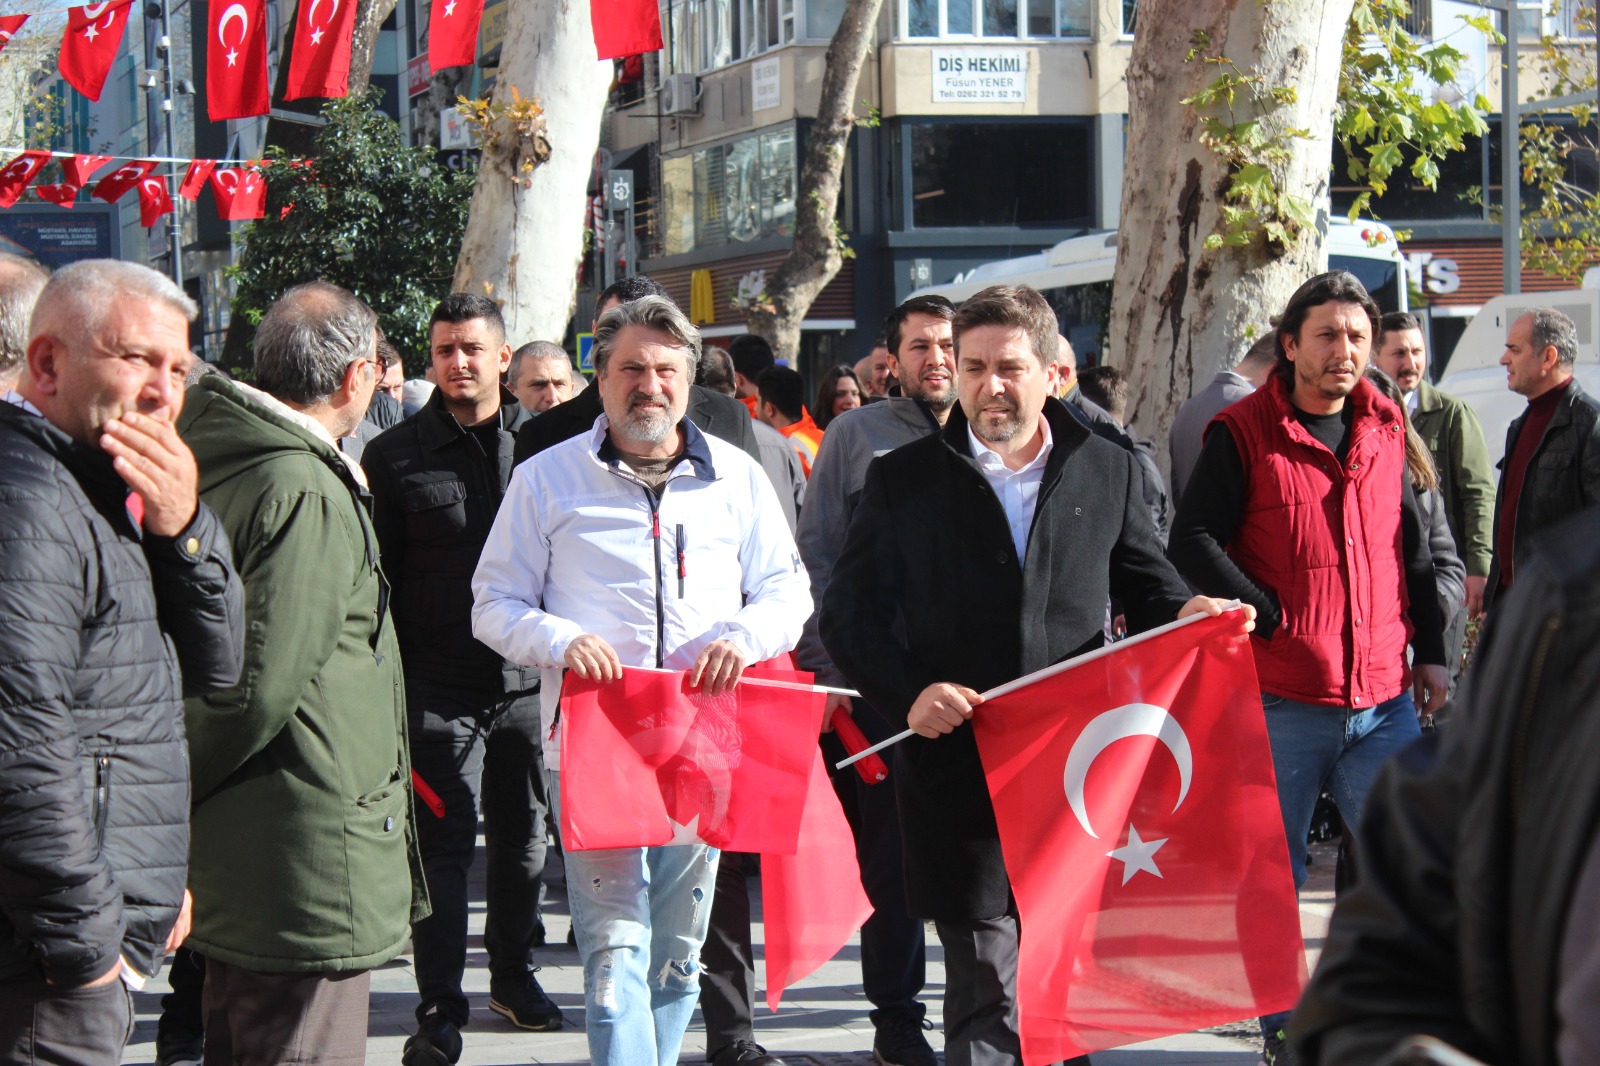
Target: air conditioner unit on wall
[680, 94]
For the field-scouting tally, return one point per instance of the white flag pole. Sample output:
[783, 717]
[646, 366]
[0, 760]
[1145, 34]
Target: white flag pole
[1049, 671]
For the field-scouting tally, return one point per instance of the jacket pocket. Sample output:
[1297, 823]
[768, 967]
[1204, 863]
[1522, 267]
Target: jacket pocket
[379, 872]
[101, 798]
[435, 511]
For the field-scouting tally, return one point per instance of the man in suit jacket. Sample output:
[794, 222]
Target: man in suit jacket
[1047, 521]
[713, 413]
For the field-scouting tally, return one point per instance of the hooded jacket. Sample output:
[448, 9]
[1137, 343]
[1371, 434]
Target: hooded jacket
[302, 812]
[97, 620]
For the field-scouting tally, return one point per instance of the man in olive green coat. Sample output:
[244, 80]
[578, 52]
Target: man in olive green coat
[300, 863]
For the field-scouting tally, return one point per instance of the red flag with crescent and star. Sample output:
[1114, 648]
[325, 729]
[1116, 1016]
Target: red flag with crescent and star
[112, 187]
[625, 27]
[320, 60]
[78, 169]
[236, 60]
[9, 25]
[1138, 813]
[453, 33]
[18, 174]
[194, 178]
[90, 44]
[155, 200]
[240, 193]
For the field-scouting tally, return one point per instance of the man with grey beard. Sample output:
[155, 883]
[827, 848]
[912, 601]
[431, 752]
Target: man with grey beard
[581, 520]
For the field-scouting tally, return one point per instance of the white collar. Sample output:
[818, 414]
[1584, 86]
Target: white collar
[990, 458]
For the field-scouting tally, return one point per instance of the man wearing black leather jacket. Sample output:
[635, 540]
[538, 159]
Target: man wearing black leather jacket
[1473, 919]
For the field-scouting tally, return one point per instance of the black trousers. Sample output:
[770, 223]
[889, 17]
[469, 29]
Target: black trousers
[40, 1023]
[467, 753]
[181, 1014]
[267, 1019]
[727, 960]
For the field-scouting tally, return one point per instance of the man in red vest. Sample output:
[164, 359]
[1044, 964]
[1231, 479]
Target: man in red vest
[1301, 505]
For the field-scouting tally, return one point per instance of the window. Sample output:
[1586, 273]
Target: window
[1130, 16]
[1001, 173]
[1570, 19]
[1420, 22]
[999, 18]
[705, 35]
[728, 194]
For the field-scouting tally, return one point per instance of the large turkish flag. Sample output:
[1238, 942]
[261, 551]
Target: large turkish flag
[320, 61]
[453, 33]
[89, 46]
[625, 27]
[236, 60]
[1138, 814]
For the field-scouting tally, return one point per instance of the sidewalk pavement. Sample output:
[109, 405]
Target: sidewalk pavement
[823, 1021]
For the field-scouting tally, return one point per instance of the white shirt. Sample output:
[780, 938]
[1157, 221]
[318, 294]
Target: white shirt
[1411, 400]
[14, 398]
[1017, 490]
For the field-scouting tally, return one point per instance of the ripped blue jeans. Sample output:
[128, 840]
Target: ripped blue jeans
[641, 916]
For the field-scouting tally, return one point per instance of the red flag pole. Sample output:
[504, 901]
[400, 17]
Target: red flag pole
[1049, 671]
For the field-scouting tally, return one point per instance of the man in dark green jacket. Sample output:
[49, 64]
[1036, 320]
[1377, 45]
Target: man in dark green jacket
[302, 806]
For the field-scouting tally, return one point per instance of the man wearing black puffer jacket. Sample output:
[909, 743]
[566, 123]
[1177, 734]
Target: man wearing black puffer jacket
[116, 600]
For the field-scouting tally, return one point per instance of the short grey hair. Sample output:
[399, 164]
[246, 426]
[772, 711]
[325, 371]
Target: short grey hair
[538, 351]
[72, 305]
[650, 312]
[21, 281]
[308, 338]
[1553, 329]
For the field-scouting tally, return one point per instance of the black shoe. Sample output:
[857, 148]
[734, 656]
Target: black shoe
[175, 1048]
[899, 1042]
[437, 1043]
[1275, 1050]
[525, 1005]
[572, 936]
[745, 1053]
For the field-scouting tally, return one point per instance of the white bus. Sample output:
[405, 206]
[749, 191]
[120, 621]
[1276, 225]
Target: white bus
[1075, 276]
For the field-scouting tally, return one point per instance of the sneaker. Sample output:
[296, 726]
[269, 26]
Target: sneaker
[525, 1005]
[437, 1043]
[899, 1042]
[175, 1048]
[1275, 1050]
[745, 1053]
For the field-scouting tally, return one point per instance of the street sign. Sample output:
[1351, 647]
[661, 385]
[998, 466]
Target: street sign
[586, 352]
[619, 189]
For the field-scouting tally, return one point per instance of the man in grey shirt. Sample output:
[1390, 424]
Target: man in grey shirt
[1228, 387]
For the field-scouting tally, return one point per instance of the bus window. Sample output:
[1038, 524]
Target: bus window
[1381, 278]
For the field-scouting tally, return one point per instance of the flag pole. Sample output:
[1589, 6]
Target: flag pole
[1050, 671]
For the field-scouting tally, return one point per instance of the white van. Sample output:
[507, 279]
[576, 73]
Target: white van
[1474, 373]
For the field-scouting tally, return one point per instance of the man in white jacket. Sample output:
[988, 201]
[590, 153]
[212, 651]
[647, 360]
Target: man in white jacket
[641, 543]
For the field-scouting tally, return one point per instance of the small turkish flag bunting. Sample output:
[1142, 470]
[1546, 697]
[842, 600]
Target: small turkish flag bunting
[320, 63]
[18, 174]
[154, 200]
[111, 187]
[453, 33]
[94, 34]
[240, 193]
[625, 27]
[79, 168]
[236, 60]
[63, 194]
[194, 179]
[9, 25]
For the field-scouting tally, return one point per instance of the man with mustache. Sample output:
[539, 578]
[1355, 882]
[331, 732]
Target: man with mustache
[437, 481]
[643, 542]
[1455, 440]
[1301, 506]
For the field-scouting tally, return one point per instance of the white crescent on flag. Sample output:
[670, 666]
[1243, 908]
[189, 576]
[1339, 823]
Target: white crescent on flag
[1130, 720]
[234, 11]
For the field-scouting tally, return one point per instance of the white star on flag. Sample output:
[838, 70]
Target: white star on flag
[1137, 854]
[686, 834]
[92, 32]
[316, 35]
[232, 56]
[450, 8]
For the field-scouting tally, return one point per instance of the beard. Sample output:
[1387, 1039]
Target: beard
[991, 430]
[648, 426]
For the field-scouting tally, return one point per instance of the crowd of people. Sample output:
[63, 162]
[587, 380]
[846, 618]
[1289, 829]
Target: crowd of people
[269, 648]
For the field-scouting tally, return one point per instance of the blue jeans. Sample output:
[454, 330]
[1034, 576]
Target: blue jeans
[641, 916]
[1338, 748]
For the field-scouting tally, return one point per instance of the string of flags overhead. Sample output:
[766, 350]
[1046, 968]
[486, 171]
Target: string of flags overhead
[238, 83]
[239, 191]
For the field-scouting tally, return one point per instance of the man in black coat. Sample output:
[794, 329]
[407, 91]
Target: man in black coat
[975, 556]
[116, 600]
[714, 413]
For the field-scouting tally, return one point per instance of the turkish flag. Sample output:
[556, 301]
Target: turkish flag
[236, 60]
[647, 761]
[111, 187]
[90, 44]
[63, 194]
[320, 63]
[9, 25]
[154, 200]
[194, 178]
[78, 169]
[453, 33]
[16, 175]
[1138, 813]
[625, 27]
[240, 193]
